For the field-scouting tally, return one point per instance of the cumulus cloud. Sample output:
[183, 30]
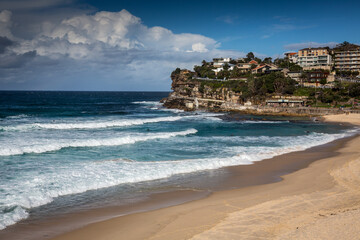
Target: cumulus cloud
[105, 47]
[297, 46]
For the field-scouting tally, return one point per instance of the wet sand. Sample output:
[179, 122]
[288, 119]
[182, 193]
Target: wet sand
[255, 204]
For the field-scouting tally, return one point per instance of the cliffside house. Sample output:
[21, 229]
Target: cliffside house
[253, 62]
[292, 56]
[266, 68]
[296, 75]
[317, 76]
[216, 70]
[219, 62]
[314, 57]
[244, 67]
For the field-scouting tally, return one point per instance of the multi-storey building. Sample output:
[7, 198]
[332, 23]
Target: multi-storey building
[292, 56]
[348, 60]
[314, 57]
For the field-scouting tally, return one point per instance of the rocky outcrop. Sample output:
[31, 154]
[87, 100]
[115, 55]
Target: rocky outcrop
[192, 94]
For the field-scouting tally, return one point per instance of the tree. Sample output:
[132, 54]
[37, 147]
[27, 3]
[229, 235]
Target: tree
[233, 61]
[258, 60]
[354, 90]
[346, 46]
[176, 71]
[250, 56]
[267, 60]
[323, 81]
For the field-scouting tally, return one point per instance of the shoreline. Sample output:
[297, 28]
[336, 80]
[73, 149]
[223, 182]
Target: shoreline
[293, 208]
[256, 175]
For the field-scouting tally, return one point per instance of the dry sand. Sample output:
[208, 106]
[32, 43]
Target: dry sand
[321, 201]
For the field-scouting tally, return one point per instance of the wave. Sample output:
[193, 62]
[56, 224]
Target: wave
[90, 125]
[262, 121]
[130, 139]
[147, 102]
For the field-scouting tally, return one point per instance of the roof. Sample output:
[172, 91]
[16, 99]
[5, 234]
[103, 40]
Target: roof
[261, 66]
[253, 62]
[316, 48]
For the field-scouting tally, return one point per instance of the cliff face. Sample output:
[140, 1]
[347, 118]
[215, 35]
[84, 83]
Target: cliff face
[192, 94]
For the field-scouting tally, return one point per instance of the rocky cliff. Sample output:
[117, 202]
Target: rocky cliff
[192, 94]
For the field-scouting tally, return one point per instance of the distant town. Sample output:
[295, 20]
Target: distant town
[311, 77]
[312, 67]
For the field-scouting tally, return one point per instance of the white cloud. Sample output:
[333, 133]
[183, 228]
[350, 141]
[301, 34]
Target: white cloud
[106, 50]
[297, 46]
[85, 36]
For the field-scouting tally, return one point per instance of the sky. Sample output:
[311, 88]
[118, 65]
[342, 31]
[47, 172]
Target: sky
[133, 45]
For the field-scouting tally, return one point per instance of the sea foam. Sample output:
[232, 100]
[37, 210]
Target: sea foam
[90, 124]
[60, 144]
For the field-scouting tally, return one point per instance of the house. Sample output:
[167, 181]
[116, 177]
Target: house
[317, 76]
[314, 57]
[266, 68]
[253, 62]
[219, 62]
[292, 56]
[216, 70]
[244, 67]
[296, 75]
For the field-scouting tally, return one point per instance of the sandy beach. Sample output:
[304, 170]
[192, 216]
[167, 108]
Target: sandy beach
[321, 201]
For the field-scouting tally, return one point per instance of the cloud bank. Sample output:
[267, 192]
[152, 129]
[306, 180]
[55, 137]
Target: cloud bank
[100, 51]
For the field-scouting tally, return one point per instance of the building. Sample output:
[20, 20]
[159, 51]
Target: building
[219, 62]
[317, 76]
[348, 60]
[244, 67]
[219, 69]
[253, 62]
[314, 57]
[296, 75]
[283, 101]
[292, 56]
[266, 68]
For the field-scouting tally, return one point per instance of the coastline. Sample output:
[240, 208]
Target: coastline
[193, 216]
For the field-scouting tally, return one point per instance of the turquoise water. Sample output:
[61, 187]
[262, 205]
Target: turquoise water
[57, 144]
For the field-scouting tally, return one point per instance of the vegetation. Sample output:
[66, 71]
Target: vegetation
[346, 46]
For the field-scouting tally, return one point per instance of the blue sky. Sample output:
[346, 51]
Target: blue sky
[134, 45]
[266, 27]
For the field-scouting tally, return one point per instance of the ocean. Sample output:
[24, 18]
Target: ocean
[60, 150]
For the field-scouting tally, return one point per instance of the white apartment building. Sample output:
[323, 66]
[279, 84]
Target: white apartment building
[314, 57]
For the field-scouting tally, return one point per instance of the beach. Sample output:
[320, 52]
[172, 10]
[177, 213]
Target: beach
[304, 194]
[320, 201]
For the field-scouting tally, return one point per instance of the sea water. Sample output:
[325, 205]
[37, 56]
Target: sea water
[54, 145]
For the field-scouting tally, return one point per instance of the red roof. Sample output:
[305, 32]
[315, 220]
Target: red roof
[253, 62]
[258, 67]
[293, 53]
